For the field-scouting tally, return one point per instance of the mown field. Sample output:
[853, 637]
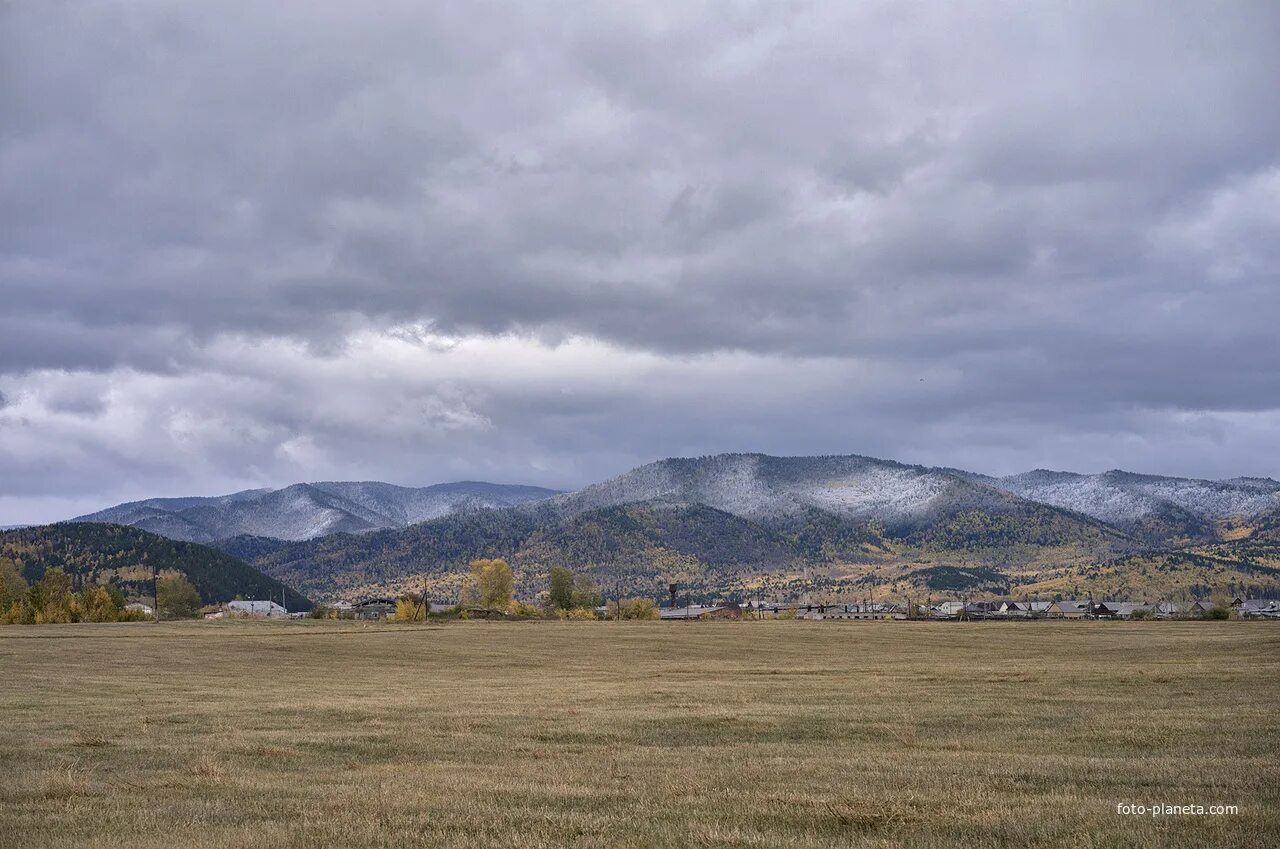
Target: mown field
[637, 734]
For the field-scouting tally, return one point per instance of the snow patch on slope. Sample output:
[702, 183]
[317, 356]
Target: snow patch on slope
[1122, 497]
[304, 511]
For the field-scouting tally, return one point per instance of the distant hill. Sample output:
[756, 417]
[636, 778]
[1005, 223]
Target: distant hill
[1157, 509]
[760, 487]
[101, 553]
[308, 510]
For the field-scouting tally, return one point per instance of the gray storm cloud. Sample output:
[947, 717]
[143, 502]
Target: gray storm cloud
[245, 244]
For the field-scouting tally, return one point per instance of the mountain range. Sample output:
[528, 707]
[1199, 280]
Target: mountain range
[307, 510]
[751, 523]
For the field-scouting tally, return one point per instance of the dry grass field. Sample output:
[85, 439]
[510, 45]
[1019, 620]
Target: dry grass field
[638, 734]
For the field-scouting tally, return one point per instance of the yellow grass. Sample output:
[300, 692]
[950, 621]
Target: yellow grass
[548, 734]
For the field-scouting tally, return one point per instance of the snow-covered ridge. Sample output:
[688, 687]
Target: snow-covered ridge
[753, 486]
[757, 486]
[308, 510]
[1119, 497]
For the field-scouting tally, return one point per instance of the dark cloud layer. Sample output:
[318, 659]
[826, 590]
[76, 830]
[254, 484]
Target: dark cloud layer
[247, 243]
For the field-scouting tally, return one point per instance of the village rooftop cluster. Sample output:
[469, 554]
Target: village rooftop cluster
[1008, 609]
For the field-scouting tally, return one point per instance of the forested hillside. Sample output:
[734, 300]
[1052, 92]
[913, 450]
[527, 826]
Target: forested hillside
[638, 548]
[94, 553]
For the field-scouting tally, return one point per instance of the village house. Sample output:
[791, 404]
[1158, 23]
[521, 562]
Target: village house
[1068, 610]
[946, 609]
[1259, 608]
[1172, 609]
[1024, 609]
[1118, 609]
[1202, 607]
[981, 609]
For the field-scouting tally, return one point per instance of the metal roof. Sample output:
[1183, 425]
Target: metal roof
[256, 606]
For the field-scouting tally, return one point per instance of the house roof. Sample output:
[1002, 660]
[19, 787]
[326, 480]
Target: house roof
[692, 611]
[1255, 604]
[370, 602]
[983, 606]
[1122, 607]
[1026, 605]
[1073, 605]
[255, 606]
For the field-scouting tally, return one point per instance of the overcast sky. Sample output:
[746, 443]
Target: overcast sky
[251, 243]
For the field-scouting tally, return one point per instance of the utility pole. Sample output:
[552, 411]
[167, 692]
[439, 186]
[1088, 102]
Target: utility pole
[155, 590]
[421, 602]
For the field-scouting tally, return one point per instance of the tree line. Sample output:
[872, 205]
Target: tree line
[54, 599]
[490, 588]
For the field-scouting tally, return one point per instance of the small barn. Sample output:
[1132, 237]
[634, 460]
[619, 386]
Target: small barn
[373, 608]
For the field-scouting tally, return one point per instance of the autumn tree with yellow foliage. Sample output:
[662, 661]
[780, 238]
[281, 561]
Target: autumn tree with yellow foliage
[491, 585]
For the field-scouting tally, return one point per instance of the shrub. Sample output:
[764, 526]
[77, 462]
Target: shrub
[578, 614]
[638, 608]
[1219, 611]
[568, 591]
[99, 605]
[410, 609]
[526, 610]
